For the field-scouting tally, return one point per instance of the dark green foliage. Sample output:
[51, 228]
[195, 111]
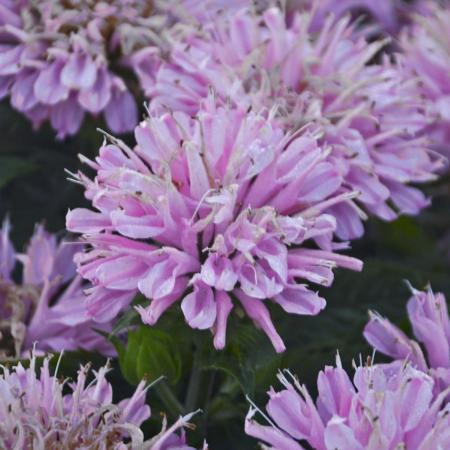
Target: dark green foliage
[150, 353]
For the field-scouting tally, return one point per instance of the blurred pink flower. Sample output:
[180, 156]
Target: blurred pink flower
[211, 211]
[43, 413]
[426, 47]
[431, 326]
[60, 60]
[385, 15]
[46, 307]
[381, 409]
[370, 115]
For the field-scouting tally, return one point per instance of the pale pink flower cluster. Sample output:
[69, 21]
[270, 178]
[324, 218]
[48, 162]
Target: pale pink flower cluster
[213, 212]
[383, 16]
[56, 60]
[371, 115]
[46, 307]
[430, 322]
[426, 48]
[382, 409]
[62, 59]
[40, 412]
[272, 135]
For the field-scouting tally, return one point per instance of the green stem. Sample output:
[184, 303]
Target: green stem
[194, 383]
[168, 398]
[209, 383]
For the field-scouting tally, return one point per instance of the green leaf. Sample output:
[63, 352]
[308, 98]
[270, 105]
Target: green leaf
[150, 353]
[248, 360]
[11, 168]
[158, 355]
[128, 359]
[239, 372]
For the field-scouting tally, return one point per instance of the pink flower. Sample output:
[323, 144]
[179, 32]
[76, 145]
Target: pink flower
[380, 409]
[387, 15]
[41, 412]
[55, 61]
[370, 115]
[201, 11]
[431, 326]
[60, 61]
[426, 45]
[47, 306]
[212, 212]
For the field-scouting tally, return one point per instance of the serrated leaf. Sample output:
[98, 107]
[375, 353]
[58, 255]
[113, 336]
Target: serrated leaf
[158, 356]
[150, 353]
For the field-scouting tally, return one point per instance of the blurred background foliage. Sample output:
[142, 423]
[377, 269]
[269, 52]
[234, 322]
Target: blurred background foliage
[33, 188]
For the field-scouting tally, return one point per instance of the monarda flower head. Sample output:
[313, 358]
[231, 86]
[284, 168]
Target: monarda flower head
[371, 114]
[46, 306]
[384, 16]
[426, 47]
[214, 212]
[39, 412]
[380, 410]
[62, 59]
[430, 322]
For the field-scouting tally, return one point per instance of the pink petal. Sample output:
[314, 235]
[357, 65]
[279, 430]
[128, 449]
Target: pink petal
[224, 307]
[199, 307]
[97, 96]
[257, 311]
[48, 88]
[79, 72]
[121, 112]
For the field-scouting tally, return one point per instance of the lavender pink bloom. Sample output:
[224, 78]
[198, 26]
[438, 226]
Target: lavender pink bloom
[370, 115]
[380, 410]
[383, 16]
[430, 322]
[212, 212]
[60, 61]
[56, 61]
[46, 306]
[426, 48]
[40, 412]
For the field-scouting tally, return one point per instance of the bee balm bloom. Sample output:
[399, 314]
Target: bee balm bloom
[430, 322]
[387, 15]
[42, 413]
[57, 60]
[426, 45]
[62, 59]
[380, 409]
[213, 212]
[46, 307]
[371, 115]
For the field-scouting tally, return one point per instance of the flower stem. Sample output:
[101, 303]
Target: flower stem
[194, 383]
[166, 395]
